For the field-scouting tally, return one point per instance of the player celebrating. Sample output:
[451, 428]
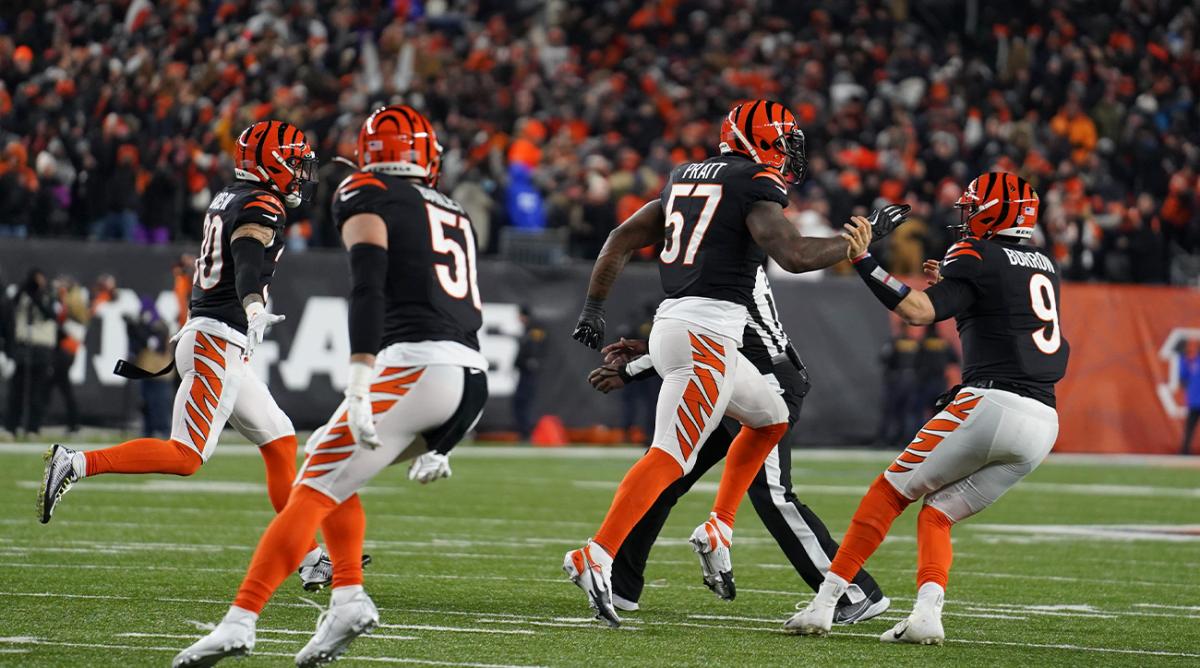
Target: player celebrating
[274, 168]
[799, 532]
[715, 218]
[417, 382]
[992, 430]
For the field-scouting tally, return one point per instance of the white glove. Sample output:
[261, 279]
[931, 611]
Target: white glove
[7, 367]
[429, 467]
[359, 416]
[258, 319]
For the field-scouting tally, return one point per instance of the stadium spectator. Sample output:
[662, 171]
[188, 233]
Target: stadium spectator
[35, 332]
[530, 354]
[1189, 377]
[569, 107]
[149, 344]
[73, 318]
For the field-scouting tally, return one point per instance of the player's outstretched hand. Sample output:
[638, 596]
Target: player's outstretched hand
[258, 320]
[361, 420]
[884, 220]
[429, 467]
[625, 351]
[858, 233]
[590, 329]
[606, 379]
[933, 271]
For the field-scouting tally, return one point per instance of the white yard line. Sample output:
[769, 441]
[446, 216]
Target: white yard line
[457, 629]
[142, 648]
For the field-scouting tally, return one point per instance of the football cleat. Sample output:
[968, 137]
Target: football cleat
[867, 608]
[817, 617]
[923, 626]
[316, 571]
[337, 627]
[230, 638]
[590, 568]
[57, 479]
[623, 604]
[711, 542]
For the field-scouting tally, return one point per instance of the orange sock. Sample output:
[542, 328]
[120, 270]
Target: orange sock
[746, 455]
[283, 546]
[640, 488]
[344, 530]
[144, 455]
[280, 457]
[934, 551]
[880, 506]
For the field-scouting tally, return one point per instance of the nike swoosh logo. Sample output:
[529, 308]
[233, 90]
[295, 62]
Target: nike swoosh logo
[271, 217]
[946, 262]
[899, 634]
[346, 196]
[782, 190]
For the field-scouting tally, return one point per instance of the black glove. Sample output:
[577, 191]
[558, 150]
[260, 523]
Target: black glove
[590, 329]
[884, 220]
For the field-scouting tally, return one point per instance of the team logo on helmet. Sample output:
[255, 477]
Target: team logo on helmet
[998, 204]
[767, 133]
[400, 141]
[277, 154]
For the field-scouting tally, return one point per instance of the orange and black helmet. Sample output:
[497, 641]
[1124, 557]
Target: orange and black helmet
[277, 154]
[998, 204]
[767, 133]
[400, 141]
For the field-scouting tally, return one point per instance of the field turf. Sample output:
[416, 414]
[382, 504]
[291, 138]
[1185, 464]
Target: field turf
[1090, 562]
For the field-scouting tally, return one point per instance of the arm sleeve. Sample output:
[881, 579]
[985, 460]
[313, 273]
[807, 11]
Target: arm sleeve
[248, 256]
[640, 368]
[950, 297]
[368, 273]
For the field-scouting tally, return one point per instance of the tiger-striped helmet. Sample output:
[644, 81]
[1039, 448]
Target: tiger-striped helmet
[767, 133]
[277, 154]
[998, 204]
[400, 141]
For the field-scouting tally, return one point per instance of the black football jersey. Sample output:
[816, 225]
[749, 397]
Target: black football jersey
[1005, 299]
[431, 286]
[214, 292]
[708, 251]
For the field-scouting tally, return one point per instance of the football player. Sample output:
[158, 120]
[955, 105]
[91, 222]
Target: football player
[417, 379]
[715, 219]
[799, 532]
[274, 170]
[995, 428]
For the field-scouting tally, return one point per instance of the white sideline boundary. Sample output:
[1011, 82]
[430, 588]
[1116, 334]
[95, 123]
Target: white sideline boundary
[468, 451]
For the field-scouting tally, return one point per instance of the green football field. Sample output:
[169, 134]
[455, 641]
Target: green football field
[1089, 562]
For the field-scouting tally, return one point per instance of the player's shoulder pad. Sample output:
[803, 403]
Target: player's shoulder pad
[767, 183]
[358, 182]
[964, 259]
[262, 207]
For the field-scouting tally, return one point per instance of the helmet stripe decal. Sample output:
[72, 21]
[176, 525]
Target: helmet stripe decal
[748, 132]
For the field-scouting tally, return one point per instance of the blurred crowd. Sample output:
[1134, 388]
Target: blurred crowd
[44, 323]
[116, 118]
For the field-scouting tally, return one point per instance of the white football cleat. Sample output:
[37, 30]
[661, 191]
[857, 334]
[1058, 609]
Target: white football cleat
[337, 627]
[316, 571]
[57, 479]
[817, 618]
[624, 604]
[230, 638]
[711, 542]
[590, 568]
[923, 626]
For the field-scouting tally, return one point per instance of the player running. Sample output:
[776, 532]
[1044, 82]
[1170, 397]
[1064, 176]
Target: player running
[715, 218]
[992, 430]
[417, 379]
[274, 169]
[799, 532]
